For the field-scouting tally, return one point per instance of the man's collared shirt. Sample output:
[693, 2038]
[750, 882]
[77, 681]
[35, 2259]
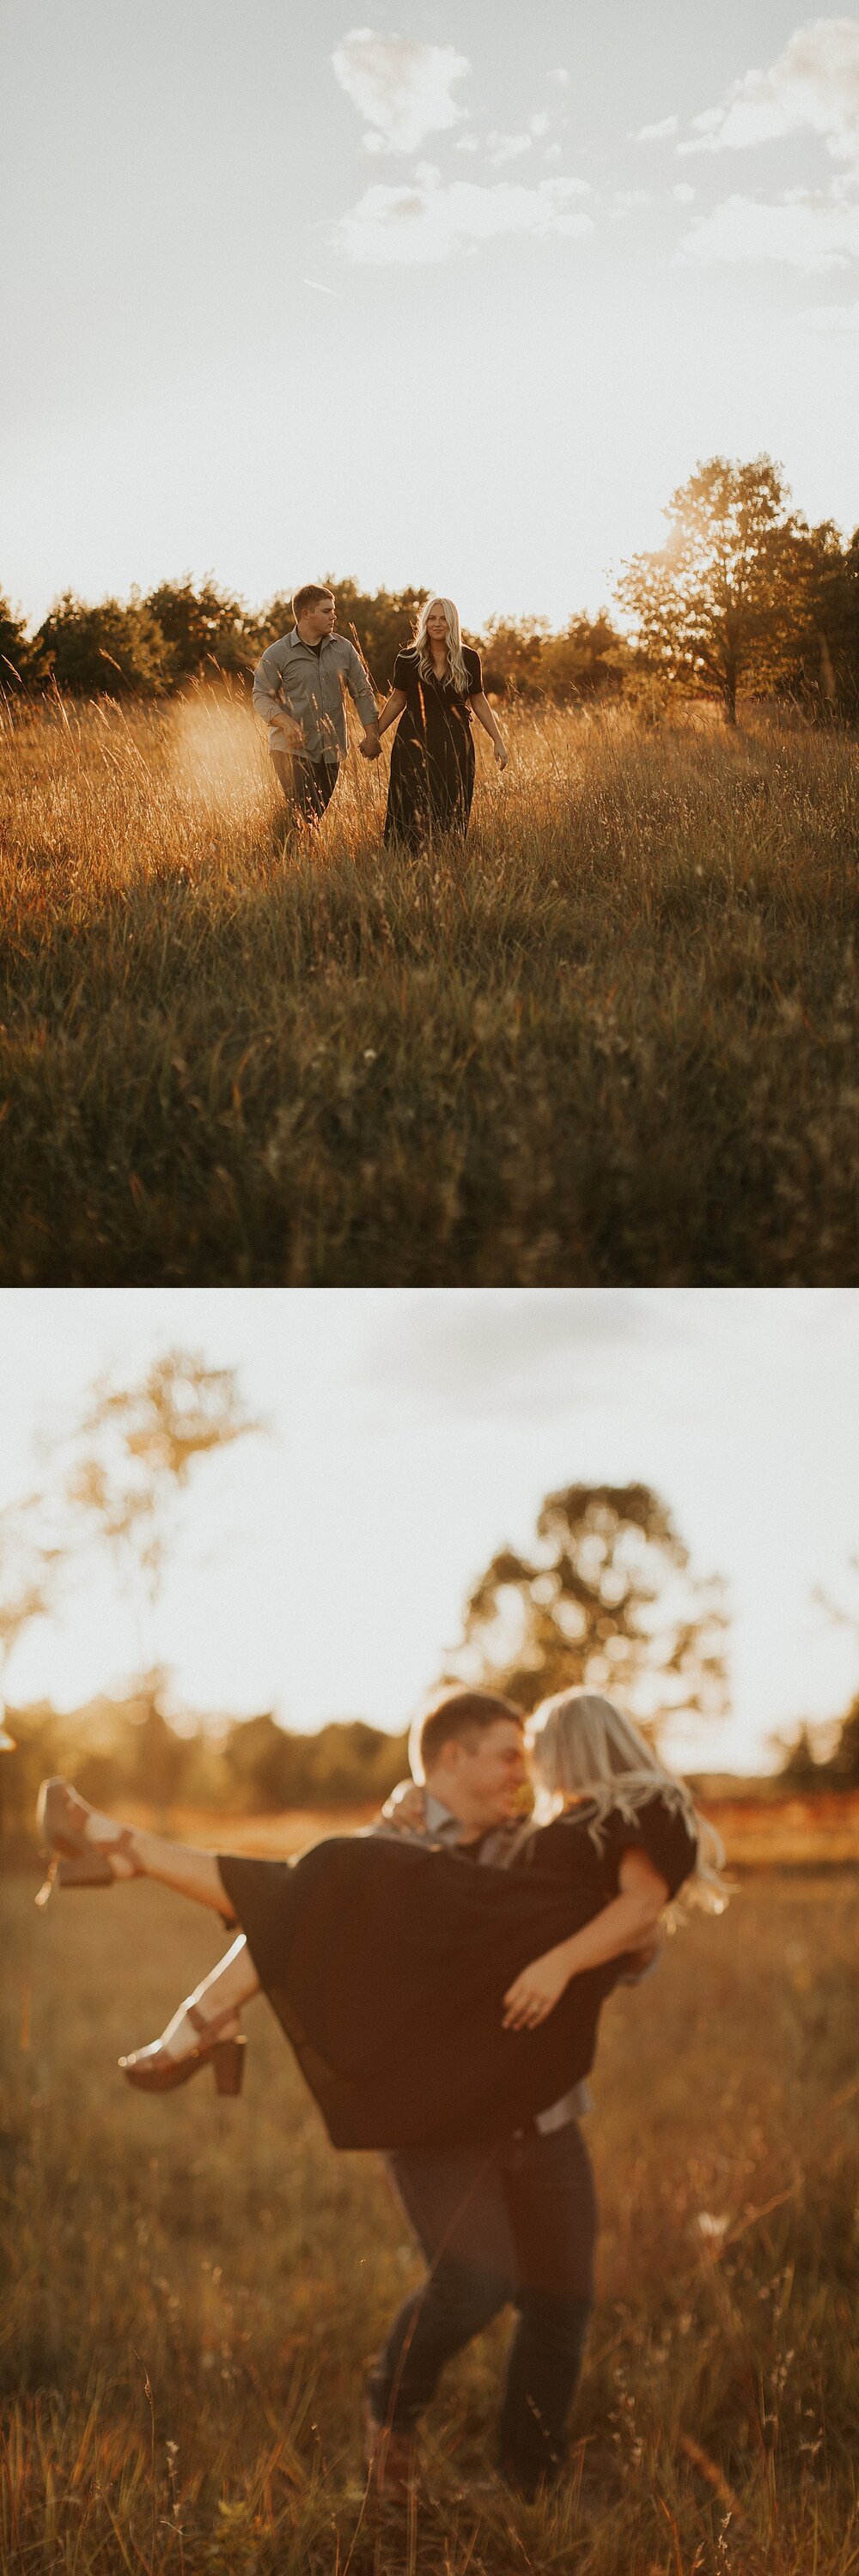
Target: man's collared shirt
[496, 1847]
[308, 685]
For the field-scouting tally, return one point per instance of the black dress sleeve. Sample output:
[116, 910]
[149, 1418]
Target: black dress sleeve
[404, 672]
[474, 668]
[661, 1830]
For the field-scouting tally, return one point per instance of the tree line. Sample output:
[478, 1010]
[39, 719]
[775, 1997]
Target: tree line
[744, 597]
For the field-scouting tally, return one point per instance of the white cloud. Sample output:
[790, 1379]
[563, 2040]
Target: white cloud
[682, 194]
[812, 87]
[507, 147]
[799, 231]
[539, 123]
[627, 199]
[561, 77]
[660, 132]
[402, 89]
[830, 318]
[427, 222]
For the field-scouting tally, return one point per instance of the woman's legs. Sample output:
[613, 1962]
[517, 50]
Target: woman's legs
[177, 1865]
[221, 1995]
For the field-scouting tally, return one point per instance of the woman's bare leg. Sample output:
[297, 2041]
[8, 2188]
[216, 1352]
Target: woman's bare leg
[229, 1986]
[177, 1865]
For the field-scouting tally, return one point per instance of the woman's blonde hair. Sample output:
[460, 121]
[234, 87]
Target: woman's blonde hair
[583, 1748]
[455, 663]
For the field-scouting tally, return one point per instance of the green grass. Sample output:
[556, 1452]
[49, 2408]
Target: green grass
[212, 2276]
[616, 1040]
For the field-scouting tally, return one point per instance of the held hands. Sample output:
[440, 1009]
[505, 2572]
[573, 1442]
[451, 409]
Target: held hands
[534, 1993]
[371, 744]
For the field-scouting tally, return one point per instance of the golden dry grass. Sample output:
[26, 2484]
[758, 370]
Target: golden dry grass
[614, 1040]
[193, 2286]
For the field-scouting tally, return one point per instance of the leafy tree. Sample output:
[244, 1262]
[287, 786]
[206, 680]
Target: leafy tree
[16, 656]
[512, 654]
[825, 666]
[589, 660]
[720, 605]
[607, 1599]
[203, 627]
[109, 651]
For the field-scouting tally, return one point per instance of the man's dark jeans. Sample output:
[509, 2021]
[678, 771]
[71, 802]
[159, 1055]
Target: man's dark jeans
[515, 2222]
[307, 784]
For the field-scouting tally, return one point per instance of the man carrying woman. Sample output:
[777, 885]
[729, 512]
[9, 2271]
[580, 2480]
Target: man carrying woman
[446, 2012]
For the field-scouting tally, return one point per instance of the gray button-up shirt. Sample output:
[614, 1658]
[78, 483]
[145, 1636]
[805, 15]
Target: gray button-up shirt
[496, 1847]
[309, 687]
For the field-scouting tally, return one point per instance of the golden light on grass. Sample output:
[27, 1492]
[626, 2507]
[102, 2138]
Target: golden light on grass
[614, 1039]
[193, 2288]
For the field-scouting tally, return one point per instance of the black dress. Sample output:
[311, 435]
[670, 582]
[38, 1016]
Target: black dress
[432, 760]
[387, 1963]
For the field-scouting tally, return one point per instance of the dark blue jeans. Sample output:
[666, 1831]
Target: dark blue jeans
[512, 2223]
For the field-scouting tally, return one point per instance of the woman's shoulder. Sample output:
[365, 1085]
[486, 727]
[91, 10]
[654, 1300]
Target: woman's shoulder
[663, 1824]
[471, 658]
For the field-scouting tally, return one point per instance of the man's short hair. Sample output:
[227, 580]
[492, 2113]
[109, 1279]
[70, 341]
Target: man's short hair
[309, 596]
[459, 1716]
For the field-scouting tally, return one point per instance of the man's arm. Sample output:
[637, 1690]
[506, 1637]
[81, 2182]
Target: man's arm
[267, 693]
[360, 690]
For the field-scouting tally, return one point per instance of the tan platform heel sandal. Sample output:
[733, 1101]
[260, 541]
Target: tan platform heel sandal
[74, 1862]
[155, 2071]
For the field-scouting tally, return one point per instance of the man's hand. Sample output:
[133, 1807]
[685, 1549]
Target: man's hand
[643, 1959]
[371, 743]
[406, 1807]
[533, 1994]
[284, 734]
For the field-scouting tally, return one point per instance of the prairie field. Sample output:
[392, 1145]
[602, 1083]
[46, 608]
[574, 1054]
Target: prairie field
[194, 2285]
[613, 1040]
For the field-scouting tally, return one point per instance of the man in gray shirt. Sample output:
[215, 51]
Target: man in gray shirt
[299, 685]
[515, 2222]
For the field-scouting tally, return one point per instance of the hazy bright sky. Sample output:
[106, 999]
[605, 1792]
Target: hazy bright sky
[413, 1433]
[456, 296]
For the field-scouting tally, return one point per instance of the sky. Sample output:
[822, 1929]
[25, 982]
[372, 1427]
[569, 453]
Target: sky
[324, 1566]
[455, 297]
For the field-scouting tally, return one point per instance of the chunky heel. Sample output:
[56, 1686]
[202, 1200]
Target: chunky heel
[155, 2071]
[228, 2060]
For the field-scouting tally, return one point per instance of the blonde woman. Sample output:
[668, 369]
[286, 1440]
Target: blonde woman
[438, 686]
[603, 1799]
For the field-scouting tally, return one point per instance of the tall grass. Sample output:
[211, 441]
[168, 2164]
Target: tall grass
[613, 1040]
[193, 2287]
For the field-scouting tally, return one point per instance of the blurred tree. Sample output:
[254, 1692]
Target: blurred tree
[109, 651]
[29, 1566]
[134, 1450]
[721, 604]
[609, 1601]
[347, 1762]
